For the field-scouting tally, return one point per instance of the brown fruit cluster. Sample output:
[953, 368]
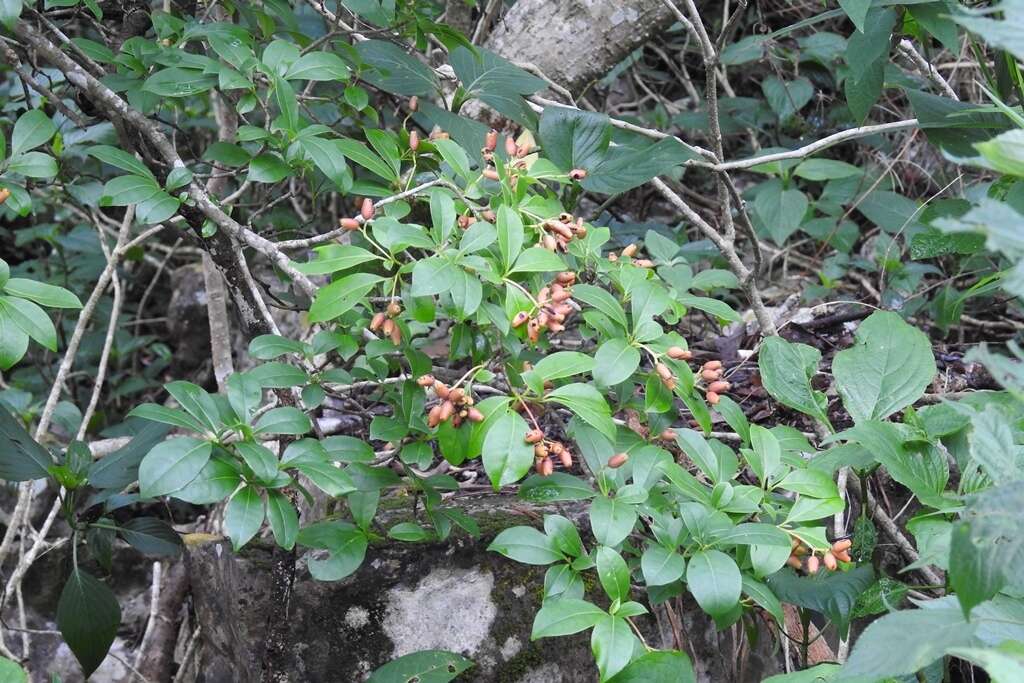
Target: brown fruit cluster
[545, 451]
[514, 152]
[629, 251]
[385, 322]
[454, 403]
[554, 305]
[830, 559]
[711, 372]
[557, 233]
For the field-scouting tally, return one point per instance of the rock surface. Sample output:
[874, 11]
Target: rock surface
[406, 597]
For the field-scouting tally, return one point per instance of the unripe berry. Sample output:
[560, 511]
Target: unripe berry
[414, 140]
[441, 389]
[367, 210]
[475, 415]
[350, 224]
[679, 353]
[841, 545]
[414, 103]
[533, 436]
[813, 564]
[434, 416]
[520, 318]
[711, 375]
[447, 408]
[713, 365]
[618, 460]
[629, 250]
[713, 398]
[667, 435]
[719, 387]
[566, 457]
[510, 146]
[794, 562]
[663, 371]
[566, 278]
[578, 174]
[830, 562]
[546, 467]
[377, 321]
[491, 140]
[425, 381]
[490, 174]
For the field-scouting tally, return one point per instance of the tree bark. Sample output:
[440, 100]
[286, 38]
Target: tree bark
[575, 42]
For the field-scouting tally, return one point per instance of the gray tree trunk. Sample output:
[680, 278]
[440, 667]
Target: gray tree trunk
[575, 42]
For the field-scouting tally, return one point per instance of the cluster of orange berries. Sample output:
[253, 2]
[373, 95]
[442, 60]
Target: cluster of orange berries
[711, 372]
[554, 305]
[366, 212]
[544, 450]
[385, 322]
[455, 403]
[629, 251]
[840, 551]
[557, 233]
[512, 150]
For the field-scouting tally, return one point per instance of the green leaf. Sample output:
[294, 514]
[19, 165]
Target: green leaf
[699, 451]
[10, 672]
[347, 546]
[657, 667]
[433, 275]
[563, 364]
[565, 616]
[602, 301]
[178, 82]
[613, 574]
[151, 536]
[832, 594]
[31, 319]
[171, 465]
[615, 362]
[888, 368]
[611, 520]
[574, 139]
[283, 420]
[613, 643]
[394, 70]
[510, 235]
[243, 516]
[88, 617]
[555, 487]
[215, 482]
[806, 509]
[284, 521]
[362, 155]
[276, 375]
[826, 169]
[340, 296]
[165, 415]
[318, 66]
[21, 458]
[33, 165]
[781, 211]
[527, 545]
[538, 260]
[496, 81]
[41, 293]
[128, 189]
[10, 10]
[902, 643]
[409, 532]
[121, 468]
[260, 459]
[857, 10]
[661, 566]
[328, 156]
[335, 258]
[787, 97]
[119, 159]
[426, 666]
[975, 574]
[196, 401]
[270, 346]
[992, 446]
[33, 128]
[586, 402]
[268, 168]
[786, 371]
[330, 479]
[764, 597]
[714, 580]
[506, 455]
